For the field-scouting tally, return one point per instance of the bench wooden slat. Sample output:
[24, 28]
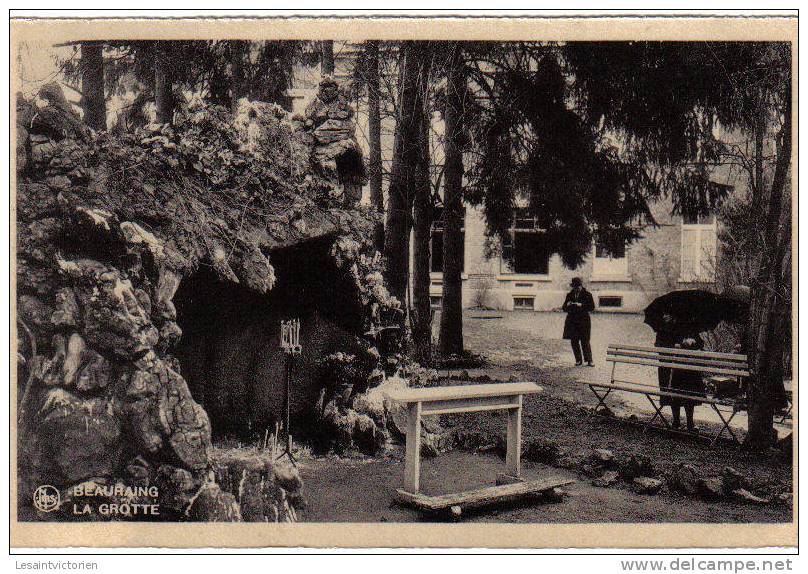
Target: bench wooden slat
[679, 366]
[674, 351]
[703, 361]
[482, 496]
[457, 392]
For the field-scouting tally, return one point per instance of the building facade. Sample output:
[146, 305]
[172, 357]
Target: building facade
[677, 254]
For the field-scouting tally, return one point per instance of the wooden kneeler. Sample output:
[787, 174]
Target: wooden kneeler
[510, 486]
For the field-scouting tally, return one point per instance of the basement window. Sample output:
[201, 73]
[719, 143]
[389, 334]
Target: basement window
[524, 303]
[613, 301]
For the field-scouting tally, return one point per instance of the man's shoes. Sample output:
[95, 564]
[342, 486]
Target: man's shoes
[578, 364]
[590, 364]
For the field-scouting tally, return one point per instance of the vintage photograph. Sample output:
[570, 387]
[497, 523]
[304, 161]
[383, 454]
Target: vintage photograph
[310, 278]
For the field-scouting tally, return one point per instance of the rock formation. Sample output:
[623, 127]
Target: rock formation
[108, 228]
[330, 126]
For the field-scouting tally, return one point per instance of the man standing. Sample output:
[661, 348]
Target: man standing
[577, 326]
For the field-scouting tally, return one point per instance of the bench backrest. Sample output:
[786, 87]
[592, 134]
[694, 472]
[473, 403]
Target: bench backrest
[683, 359]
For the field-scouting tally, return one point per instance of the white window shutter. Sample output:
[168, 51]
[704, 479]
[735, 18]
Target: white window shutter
[690, 250]
[708, 240]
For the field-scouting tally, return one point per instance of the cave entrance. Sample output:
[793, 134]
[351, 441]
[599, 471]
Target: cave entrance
[351, 174]
[230, 352]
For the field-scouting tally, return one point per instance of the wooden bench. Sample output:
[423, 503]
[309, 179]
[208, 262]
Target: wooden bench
[466, 399]
[705, 362]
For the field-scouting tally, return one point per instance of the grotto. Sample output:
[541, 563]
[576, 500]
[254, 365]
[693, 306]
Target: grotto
[230, 352]
[152, 270]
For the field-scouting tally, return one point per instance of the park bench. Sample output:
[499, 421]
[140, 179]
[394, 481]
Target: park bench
[705, 362]
[465, 399]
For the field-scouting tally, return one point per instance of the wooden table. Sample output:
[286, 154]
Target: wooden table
[466, 399]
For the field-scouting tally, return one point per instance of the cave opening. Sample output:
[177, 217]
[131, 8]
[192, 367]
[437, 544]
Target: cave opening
[230, 352]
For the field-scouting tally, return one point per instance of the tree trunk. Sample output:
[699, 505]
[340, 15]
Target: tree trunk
[406, 157]
[237, 88]
[451, 317]
[769, 321]
[760, 133]
[375, 138]
[422, 235]
[769, 312]
[327, 57]
[163, 96]
[92, 86]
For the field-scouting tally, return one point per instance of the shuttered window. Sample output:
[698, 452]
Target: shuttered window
[698, 249]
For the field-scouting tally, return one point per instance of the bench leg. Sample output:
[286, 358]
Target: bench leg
[725, 427]
[601, 398]
[514, 444]
[412, 464]
[658, 413]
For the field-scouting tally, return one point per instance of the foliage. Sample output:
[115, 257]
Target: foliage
[666, 95]
[481, 296]
[588, 133]
[215, 70]
[736, 264]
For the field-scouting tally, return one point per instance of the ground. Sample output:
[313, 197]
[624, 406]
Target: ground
[360, 490]
[527, 346]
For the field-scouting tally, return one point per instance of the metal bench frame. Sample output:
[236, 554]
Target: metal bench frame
[680, 359]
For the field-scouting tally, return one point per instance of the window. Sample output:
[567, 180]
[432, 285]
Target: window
[436, 242]
[524, 250]
[523, 303]
[698, 219]
[609, 264]
[698, 248]
[435, 301]
[610, 301]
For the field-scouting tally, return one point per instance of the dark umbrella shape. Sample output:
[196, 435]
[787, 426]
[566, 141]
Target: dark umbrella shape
[692, 311]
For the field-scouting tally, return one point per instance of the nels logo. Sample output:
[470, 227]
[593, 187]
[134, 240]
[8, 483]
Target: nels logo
[46, 498]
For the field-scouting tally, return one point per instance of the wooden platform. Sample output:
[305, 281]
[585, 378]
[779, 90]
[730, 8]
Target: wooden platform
[481, 497]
